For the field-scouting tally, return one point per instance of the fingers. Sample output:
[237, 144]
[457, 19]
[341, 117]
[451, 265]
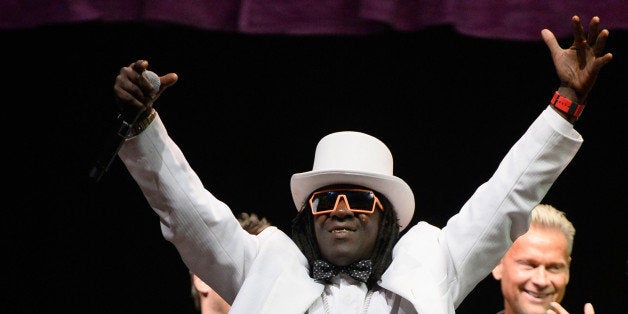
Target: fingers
[578, 31]
[128, 86]
[253, 219]
[579, 41]
[264, 223]
[600, 42]
[165, 82]
[168, 80]
[248, 221]
[243, 219]
[133, 88]
[593, 31]
[261, 225]
[550, 41]
[252, 223]
[557, 308]
[126, 91]
[139, 66]
[598, 49]
[597, 39]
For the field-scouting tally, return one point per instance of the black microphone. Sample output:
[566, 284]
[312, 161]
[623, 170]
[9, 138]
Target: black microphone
[126, 119]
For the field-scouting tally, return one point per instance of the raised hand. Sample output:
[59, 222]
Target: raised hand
[252, 224]
[578, 66]
[133, 89]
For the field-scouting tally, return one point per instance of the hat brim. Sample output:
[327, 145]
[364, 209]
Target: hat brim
[396, 190]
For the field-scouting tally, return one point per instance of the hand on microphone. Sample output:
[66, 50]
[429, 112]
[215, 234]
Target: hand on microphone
[136, 89]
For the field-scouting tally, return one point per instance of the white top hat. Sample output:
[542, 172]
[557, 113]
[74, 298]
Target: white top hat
[350, 157]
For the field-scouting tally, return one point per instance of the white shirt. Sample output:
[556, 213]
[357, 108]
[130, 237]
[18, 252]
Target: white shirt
[347, 295]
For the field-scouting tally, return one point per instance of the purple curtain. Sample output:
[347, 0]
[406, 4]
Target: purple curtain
[503, 19]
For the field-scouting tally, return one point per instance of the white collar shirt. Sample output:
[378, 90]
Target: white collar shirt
[347, 295]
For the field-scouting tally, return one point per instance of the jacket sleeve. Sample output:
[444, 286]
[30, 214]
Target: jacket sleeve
[199, 225]
[499, 210]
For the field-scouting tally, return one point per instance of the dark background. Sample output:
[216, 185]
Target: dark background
[248, 111]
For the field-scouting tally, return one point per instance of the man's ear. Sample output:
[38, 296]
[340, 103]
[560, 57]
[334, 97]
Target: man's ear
[497, 271]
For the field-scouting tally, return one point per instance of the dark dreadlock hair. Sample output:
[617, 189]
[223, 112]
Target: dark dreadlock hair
[388, 235]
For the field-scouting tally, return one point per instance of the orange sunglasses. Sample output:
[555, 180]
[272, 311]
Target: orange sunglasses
[357, 200]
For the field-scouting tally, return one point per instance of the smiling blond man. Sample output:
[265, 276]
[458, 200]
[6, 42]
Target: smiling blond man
[534, 272]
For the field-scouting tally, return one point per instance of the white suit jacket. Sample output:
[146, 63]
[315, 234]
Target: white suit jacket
[432, 268]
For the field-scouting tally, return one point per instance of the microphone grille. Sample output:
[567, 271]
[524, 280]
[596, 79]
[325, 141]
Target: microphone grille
[153, 79]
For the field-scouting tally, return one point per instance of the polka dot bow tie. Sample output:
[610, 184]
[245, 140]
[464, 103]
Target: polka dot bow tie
[360, 271]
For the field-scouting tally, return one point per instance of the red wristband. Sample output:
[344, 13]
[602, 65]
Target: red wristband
[570, 108]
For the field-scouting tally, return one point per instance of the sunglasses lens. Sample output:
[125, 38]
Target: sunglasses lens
[360, 200]
[324, 201]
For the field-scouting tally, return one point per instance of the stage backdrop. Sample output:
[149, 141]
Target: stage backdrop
[517, 20]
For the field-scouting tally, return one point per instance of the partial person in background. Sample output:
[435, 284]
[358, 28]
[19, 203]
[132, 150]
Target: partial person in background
[534, 272]
[206, 300]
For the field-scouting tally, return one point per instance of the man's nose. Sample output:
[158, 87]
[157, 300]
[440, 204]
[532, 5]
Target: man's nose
[539, 276]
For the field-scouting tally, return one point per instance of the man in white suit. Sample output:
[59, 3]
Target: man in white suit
[345, 254]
